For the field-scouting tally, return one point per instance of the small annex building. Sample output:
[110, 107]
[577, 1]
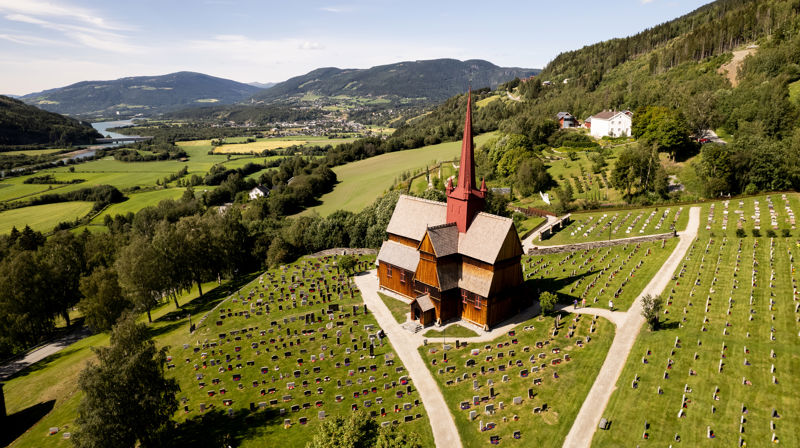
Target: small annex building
[259, 191]
[454, 260]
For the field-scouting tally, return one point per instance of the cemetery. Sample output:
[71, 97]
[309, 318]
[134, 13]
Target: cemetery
[722, 368]
[525, 387]
[617, 273]
[618, 224]
[298, 345]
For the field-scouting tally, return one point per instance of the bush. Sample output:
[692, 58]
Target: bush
[547, 300]
[756, 233]
[771, 233]
[786, 233]
[740, 233]
[651, 308]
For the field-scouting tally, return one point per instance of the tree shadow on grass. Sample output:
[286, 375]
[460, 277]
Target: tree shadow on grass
[16, 424]
[215, 429]
[208, 301]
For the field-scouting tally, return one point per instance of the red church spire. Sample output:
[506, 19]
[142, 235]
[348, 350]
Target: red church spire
[465, 201]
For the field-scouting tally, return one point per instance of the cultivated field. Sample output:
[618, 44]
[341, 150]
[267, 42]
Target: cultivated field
[270, 144]
[42, 218]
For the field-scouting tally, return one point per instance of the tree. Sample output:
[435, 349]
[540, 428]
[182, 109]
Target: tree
[127, 400]
[532, 176]
[143, 273]
[547, 300]
[651, 309]
[347, 263]
[104, 301]
[62, 257]
[565, 197]
[664, 128]
[356, 431]
[25, 318]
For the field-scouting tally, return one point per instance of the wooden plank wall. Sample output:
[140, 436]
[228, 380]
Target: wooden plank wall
[394, 283]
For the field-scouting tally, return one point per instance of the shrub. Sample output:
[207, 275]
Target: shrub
[786, 233]
[771, 233]
[756, 233]
[740, 233]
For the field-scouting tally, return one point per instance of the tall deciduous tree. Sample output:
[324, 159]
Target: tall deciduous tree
[25, 317]
[104, 301]
[143, 273]
[62, 257]
[127, 400]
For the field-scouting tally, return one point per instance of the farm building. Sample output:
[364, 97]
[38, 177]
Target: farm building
[610, 123]
[566, 120]
[259, 192]
[452, 259]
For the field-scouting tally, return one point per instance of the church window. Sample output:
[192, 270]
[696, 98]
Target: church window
[389, 271]
[402, 276]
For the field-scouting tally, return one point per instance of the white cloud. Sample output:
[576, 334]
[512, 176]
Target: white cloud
[310, 46]
[38, 8]
[644, 2]
[32, 40]
[334, 9]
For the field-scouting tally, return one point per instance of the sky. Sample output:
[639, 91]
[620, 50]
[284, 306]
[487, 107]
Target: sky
[46, 44]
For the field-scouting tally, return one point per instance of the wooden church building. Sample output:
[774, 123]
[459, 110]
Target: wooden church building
[454, 260]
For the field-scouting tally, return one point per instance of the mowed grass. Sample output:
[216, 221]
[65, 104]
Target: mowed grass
[529, 224]
[712, 316]
[564, 384]
[138, 201]
[363, 181]
[617, 273]
[453, 331]
[43, 218]
[618, 224]
[400, 310]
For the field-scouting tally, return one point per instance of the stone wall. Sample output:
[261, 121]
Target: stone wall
[543, 250]
[345, 251]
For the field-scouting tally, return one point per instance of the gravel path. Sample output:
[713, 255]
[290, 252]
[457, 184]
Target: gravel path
[628, 326]
[445, 433]
[11, 368]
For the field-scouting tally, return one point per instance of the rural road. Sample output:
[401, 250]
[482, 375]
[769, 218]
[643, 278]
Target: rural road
[12, 367]
[445, 433]
[628, 327]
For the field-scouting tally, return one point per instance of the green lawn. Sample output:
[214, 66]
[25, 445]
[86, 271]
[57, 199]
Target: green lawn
[363, 181]
[453, 331]
[742, 213]
[138, 201]
[713, 317]
[617, 273]
[598, 226]
[517, 356]
[43, 217]
[529, 224]
[400, 310]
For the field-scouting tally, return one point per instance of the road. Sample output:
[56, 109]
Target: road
[12, 367]
[628, 326]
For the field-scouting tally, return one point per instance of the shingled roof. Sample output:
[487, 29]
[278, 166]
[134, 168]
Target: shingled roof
[485, 237]
[399, 255]
[444, 239]
[424, 302]
[412, 217]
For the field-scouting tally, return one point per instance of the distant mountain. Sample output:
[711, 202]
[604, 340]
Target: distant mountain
[22, 124]
[146, 95]
[262, 85]
[431, 81]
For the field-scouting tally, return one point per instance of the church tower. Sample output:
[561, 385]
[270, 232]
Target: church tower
[465, 201]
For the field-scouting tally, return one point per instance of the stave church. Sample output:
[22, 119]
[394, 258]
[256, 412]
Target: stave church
[453, 260]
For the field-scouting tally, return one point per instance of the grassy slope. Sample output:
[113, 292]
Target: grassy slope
[43, 217]
[56, 378]
[453, 331]
[362, 181]
[563, 396]
[399, 309]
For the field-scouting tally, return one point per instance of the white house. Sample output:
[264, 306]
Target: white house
[259, 192]
[611, 123]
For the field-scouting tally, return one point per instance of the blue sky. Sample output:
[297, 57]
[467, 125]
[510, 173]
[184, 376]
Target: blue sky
[53, 43]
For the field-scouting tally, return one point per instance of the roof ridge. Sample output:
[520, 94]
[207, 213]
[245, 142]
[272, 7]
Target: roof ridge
[490, 215]
[441, 226]
[422, 199]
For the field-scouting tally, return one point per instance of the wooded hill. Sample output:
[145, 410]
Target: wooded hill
[21, 124]
[677, 66]
[426, 81]
[148, 95]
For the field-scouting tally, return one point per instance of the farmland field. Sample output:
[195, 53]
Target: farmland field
[138, 201]
[269, 144]
[363, 181]
[42, 217]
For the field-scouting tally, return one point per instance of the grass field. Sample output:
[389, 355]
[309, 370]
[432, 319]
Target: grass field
[363, 181]
[598, 226]
[400, 310]
[138, 201]
[30, 152]
[617, 273]
[562, 389]
[529, 224]
[270, 144]
[453, 331]
[43, 217]
[730, 341]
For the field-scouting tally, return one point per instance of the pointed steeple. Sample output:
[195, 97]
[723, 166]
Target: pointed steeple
[465, 201]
